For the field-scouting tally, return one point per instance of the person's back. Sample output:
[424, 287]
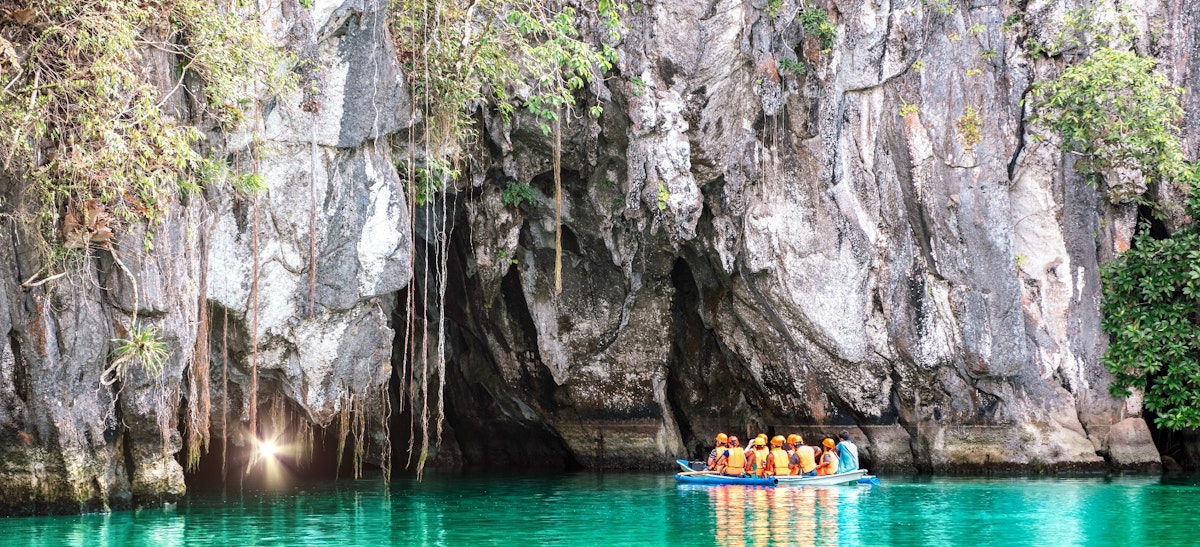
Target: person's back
[759, 461]
[829, 459]
[847, 453]
[716, 458]
[777, 460]
[806, 459]
[735, 459]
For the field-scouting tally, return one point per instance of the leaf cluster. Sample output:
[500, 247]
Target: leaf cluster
[502, 53]
[80, 118]
[1115, 110]
[516, 193]
[968, 126]
[1150, 314]
[142, 348]
[815, 22]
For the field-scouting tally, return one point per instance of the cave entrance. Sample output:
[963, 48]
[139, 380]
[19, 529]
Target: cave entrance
[292, 452]
[701, 388]
[492, 421]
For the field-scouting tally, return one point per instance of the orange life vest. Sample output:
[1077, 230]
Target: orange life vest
[808, 458]
[780, 459]
[760, 461]
[829, 463]
[735, 464]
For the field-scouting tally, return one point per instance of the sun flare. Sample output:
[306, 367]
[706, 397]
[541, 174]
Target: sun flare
[267, 449]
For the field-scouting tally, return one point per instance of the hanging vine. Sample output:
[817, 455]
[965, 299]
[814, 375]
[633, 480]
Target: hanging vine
[461, 55]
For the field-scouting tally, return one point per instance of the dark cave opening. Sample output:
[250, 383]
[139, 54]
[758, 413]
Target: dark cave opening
[491, 422]
[701, 388]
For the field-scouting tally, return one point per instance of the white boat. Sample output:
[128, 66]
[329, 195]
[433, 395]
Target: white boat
[822, 480]
[693, 472]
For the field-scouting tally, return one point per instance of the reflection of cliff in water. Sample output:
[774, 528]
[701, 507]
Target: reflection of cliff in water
[747, 515]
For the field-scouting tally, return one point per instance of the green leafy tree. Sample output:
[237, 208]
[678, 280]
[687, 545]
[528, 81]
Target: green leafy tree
[1114, 109]
[1150, 313]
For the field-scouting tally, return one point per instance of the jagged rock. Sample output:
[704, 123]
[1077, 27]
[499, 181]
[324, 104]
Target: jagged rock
[743, 249]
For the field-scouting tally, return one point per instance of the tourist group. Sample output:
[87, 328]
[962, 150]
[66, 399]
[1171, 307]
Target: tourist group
[756, 460]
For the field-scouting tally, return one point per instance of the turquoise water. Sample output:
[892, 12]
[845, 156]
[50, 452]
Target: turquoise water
[641, 509]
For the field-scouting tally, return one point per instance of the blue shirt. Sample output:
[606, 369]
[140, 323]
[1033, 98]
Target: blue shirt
[847, 456]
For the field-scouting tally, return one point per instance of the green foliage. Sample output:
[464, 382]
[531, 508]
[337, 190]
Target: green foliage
[639, 86]
[944, 7]
[793, 66]
[907, 109]
[250, 184]
[977, 29]
[774, 7]
[918, 65]
[428, 179]
[815, 23]
[663, 196]
[1013, 22]
[1035, 48]
[80, 120]
[463, 56]
[141, 348]
[968, 126]
[502, 258]
[1086, 28]
[516, 193]
[1115, 110]
[1150, 314]
[974, 72]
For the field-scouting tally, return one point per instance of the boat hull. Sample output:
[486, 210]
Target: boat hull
[692, 475]
[824, 480]
[714, 479]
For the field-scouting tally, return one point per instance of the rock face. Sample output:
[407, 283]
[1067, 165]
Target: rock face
[745, 249]
[876, 243]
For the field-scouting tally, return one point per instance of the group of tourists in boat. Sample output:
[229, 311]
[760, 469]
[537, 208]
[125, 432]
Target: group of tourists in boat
[756, 460]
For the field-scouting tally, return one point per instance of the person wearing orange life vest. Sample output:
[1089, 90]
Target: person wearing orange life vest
[756, 459]
[804, 458]
[716, 458]
[735, 458]
[829, 459]
[777, 459]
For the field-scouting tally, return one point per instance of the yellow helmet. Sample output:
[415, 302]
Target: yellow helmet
[722, 438]
[762, 436]
[794, 439]
[777, 441]
[760, 441]
[828, 443]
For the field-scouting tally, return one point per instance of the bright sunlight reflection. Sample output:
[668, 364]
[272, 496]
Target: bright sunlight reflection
[267, 449]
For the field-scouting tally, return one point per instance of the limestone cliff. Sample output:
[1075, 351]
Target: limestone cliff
[745, 248]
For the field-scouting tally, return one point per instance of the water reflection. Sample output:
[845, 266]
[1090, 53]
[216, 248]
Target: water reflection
[758, 516]
[640, 509]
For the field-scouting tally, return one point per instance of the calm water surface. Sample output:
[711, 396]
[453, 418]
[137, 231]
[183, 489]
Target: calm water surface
[639, 509]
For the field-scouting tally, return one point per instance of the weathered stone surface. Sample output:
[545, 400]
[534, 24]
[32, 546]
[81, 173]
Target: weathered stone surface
[1126, 446]
[847, 265]
[744, 248]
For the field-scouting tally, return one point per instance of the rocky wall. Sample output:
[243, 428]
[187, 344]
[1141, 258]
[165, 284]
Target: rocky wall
[747, 246]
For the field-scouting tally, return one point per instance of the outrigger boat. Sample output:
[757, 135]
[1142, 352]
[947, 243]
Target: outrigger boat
[691, 475]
